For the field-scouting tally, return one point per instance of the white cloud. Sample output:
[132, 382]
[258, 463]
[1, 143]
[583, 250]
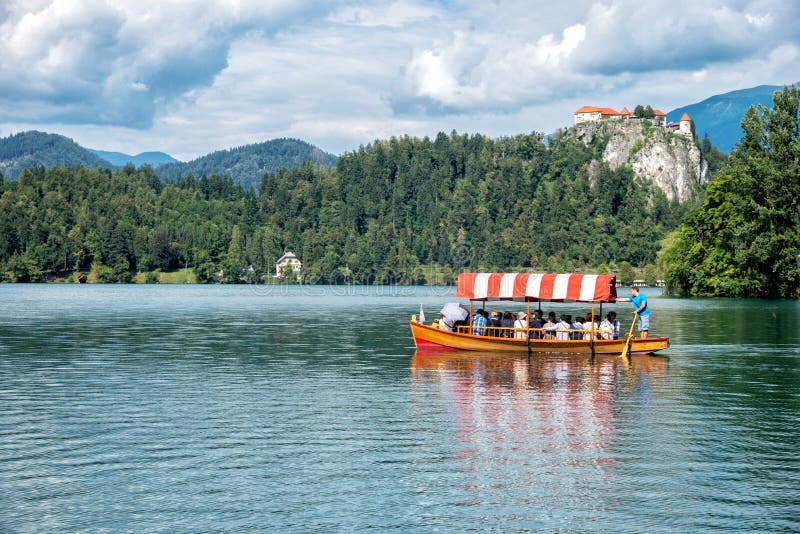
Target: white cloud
[116, 61]
[395, 14]
[506, 67]
[191, 77]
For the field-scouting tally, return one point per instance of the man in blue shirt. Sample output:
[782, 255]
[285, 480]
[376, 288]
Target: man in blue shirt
[479, 323]
[639, 302]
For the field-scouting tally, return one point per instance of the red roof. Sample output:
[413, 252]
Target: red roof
[593, 109]
[685, 117]
[530, 287]
[659, 112]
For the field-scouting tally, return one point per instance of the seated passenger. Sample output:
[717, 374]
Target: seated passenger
[536, 326]
[587, 328]
[494, 323]
[606, 329]
[520, 325]
[562, 328]
[612, 317]
[577, 328]
[550, 326]
[507, 322]
[479, 323]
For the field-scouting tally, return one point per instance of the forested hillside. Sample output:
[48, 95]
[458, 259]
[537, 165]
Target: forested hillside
[744, 240]
[247, 164]
[406, 210]
[28, 150]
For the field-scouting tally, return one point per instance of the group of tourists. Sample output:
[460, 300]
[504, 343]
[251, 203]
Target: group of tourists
[563, 328]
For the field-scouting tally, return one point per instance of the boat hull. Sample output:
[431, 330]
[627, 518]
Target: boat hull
[431, 338]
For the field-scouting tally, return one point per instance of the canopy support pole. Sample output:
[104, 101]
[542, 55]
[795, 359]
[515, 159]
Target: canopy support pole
[591, 340]
[528, 330]
[469, 319]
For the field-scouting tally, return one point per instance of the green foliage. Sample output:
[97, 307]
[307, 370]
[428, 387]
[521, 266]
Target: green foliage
[400, 211]
[715, 159]
[745, 238]
[21, 269]
[627, 274]
[637, 146]
[101, 274]
[651, 275]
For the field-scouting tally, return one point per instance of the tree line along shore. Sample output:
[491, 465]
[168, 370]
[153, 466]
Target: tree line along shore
[418, 211]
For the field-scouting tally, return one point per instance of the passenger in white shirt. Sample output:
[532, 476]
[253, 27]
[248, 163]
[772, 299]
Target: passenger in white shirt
[562, 328]
[606, 329]
[590, 324]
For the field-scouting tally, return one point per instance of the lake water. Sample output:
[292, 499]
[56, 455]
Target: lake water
[241, 408]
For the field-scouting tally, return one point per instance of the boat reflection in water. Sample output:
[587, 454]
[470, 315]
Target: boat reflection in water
[545, 429]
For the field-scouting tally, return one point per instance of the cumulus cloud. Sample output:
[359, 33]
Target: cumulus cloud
[100, 61]
[505, 65]
[191, 77]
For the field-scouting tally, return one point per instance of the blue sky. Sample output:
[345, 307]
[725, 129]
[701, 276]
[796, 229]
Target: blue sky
[192, 77]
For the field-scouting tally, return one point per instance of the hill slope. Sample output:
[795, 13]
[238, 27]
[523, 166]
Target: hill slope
[32, 149]
[118, 159]
[720, 115]
[248, 164]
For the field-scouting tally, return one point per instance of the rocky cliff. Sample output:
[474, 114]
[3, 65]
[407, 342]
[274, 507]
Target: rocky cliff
[672, 161]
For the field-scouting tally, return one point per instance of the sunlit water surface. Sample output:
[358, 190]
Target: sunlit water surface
[240, 408]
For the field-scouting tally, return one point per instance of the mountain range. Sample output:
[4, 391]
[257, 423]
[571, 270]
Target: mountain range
[245, 164]
[118, 159]
[38, 149]
[718, 116]
[248, 164]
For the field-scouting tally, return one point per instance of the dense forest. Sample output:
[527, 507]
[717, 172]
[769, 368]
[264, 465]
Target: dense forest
[744, 240]
[406, 210]
[247, 164]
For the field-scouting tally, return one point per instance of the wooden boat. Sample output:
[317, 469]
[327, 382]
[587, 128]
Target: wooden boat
[528, 288]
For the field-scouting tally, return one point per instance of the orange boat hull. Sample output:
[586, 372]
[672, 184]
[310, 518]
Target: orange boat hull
[431, 338]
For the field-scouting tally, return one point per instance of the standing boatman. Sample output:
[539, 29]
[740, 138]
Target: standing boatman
[639, 302]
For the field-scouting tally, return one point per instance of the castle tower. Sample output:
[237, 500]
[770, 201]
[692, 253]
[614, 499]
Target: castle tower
[685, 125]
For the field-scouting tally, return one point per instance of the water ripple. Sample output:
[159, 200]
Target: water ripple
[223, 408]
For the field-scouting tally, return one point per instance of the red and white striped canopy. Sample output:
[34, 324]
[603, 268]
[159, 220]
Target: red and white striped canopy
[524, 287]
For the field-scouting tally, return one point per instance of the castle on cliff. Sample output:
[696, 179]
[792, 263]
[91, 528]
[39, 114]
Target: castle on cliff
[659, 118]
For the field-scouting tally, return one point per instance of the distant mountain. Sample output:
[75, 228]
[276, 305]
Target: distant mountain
[721, 115]
[32, 149]
[118, 159]
[248, 164]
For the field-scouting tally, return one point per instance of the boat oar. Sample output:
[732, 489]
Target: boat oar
[629, 337]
